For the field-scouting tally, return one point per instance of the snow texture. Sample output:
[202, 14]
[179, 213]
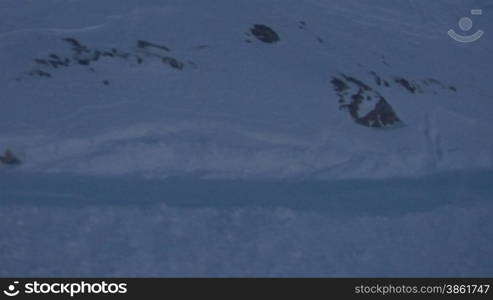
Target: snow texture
[245, 138]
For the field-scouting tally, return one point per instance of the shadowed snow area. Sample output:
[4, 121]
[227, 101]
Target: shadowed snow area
[245, 138]
[435, 226]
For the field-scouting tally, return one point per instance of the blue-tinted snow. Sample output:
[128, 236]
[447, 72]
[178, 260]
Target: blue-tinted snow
[89, 226]
[242, 164]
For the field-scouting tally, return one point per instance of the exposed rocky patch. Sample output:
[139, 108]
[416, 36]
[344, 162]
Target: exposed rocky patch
[9, 158]
[379, 81]
[431, 82]
[147, 45]
[40, 73]
[340, 85]
[265, 34]
[173, 62]
[411, 85]
[381, 115]
[367, 107]
[354, 95]
[155, 50]
[84, 55]
[357, 82]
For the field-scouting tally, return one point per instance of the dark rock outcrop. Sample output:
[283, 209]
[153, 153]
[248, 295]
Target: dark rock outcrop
[408, 85]
[354, 94]
[265, 33]
[381, 115]
[88, 57]
[146, 45]
[9, 158]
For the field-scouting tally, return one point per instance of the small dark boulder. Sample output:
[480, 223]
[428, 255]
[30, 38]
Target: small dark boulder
[339, 85]
[409, 86]
[9, 158]
[172, 62]
[146, 44]
[84, 62]
[265, 33]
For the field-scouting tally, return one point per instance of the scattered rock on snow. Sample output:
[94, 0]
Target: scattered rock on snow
[9, 158]
[264, 33]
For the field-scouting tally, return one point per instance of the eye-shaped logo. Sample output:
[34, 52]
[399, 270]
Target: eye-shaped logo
[465, 24]
[11, 291]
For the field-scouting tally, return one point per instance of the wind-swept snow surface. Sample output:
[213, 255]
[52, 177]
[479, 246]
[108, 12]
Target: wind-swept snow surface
[434, 226]
[308, 137]
[183, 88]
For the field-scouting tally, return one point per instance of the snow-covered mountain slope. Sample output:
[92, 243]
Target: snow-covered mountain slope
[242, 89]
[293, 99]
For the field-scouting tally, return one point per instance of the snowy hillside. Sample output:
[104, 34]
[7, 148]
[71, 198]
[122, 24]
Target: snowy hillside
[186, 88]
[292, 116]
